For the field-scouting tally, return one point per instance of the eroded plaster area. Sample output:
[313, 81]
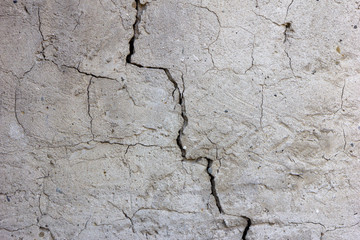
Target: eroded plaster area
[180, 119]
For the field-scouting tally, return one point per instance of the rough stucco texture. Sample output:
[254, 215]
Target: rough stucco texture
[179, 119]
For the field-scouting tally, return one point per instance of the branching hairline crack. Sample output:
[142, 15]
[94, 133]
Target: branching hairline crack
[290, 63]
[88, 74]
[262, 105]
[130, 219]
[42, 35]
[89, 109]
[287, 10]
[342, 96]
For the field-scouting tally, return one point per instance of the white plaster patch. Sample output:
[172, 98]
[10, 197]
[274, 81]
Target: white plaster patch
[16, 131]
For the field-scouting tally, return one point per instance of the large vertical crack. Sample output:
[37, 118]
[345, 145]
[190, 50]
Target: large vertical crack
[181, 100]
[217, 199]
[185, 120]
[139, 9]
[245, 232]
[213, 184]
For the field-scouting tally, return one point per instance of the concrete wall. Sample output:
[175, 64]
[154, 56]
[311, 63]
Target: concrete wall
[179, 119]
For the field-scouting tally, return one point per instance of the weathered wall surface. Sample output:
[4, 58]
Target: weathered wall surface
[179, 119]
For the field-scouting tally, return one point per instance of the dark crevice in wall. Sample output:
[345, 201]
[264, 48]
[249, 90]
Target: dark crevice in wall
[185, 120]
[139, 10]
[246, 228]
[288, 29]
[181, 101]
[213, 184]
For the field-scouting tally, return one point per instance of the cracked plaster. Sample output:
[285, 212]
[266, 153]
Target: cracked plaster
[179, 119]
